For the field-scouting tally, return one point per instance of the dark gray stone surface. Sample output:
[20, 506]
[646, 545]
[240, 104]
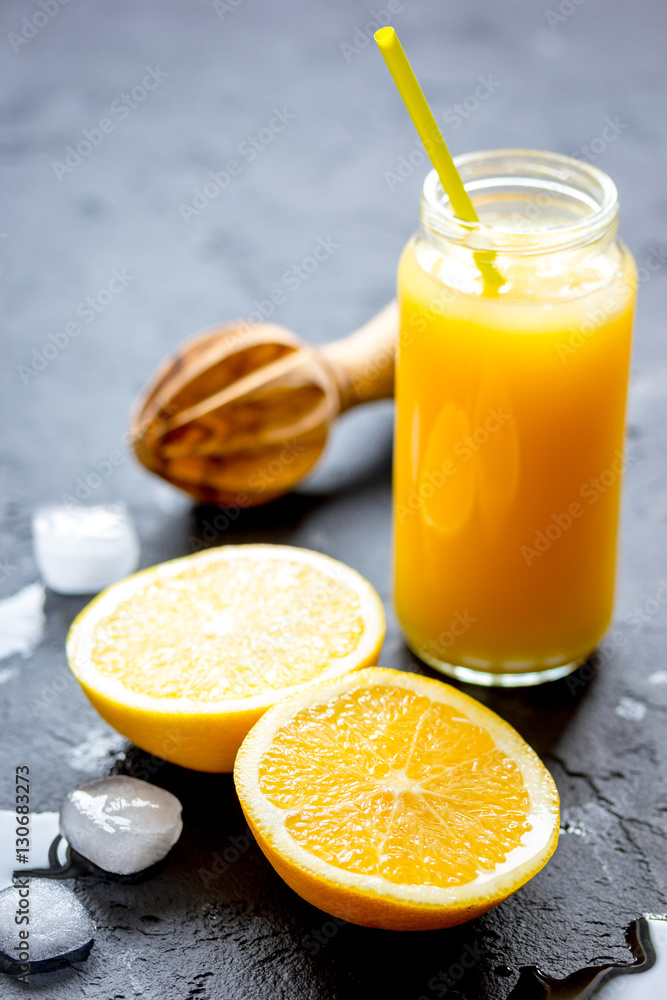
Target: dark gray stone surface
[245, 934]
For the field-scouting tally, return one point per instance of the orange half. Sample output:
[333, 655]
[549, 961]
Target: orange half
[184, 657]
[392, 800]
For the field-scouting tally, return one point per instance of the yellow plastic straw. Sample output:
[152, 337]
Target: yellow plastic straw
[424, 122]
[434, 143]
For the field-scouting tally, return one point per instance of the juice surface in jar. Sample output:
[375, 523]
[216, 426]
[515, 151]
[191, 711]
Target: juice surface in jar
[510, 420]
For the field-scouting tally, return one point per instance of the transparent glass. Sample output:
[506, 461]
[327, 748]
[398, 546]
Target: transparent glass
[511, 391]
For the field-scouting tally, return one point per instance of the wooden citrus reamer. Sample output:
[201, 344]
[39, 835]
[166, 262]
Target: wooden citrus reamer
[241, 412]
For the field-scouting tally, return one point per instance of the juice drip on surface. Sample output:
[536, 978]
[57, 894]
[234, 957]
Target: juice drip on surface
[647, 939]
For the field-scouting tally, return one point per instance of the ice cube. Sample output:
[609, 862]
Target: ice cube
[81, 550]
[58, 922]
[121, 824]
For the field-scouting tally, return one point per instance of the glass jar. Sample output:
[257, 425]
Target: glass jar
[511, 391]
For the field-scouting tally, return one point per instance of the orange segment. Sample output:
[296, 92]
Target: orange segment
[396, 801]
[184, 657]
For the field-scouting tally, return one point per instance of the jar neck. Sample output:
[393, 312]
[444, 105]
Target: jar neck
[529, 203]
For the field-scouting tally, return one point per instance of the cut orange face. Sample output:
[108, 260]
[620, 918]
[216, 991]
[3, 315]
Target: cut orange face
[392, 800]
[184, 657]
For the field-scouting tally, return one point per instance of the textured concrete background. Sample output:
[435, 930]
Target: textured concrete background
[553, 80]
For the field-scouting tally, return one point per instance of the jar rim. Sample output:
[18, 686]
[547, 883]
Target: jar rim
[553, 172]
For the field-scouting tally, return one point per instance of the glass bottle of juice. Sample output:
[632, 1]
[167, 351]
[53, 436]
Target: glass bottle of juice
[510, 419]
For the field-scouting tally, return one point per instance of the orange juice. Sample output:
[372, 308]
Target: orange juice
[510, 420]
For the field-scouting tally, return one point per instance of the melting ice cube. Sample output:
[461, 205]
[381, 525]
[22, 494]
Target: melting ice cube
[81, 550]
[121, 824]
[59, 923]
